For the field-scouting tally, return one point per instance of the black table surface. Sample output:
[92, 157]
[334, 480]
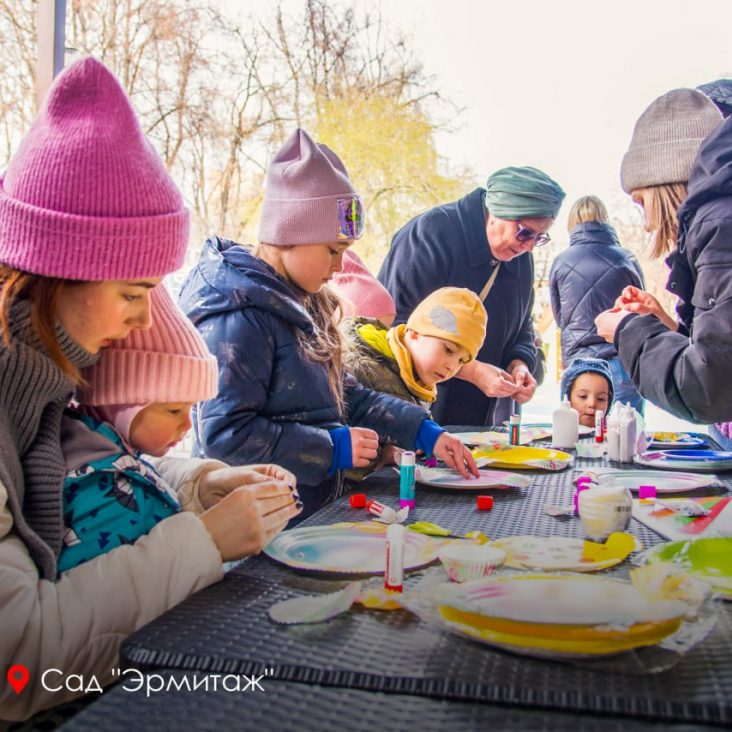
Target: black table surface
[286, 706]
[225, 629]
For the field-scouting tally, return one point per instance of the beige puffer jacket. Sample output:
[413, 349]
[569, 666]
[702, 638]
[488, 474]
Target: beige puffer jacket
[78, 623]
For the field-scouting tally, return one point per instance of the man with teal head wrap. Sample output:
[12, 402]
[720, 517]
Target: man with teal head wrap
[482, 242]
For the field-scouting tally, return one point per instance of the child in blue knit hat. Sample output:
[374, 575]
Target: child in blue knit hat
[588, 385]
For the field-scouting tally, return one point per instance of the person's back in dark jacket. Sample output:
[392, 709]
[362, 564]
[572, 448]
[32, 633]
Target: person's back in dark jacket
[586, 279]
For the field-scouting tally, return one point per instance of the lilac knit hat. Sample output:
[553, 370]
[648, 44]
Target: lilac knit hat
[86, 197]
[370, 299]
[309, 198]
[167, 363]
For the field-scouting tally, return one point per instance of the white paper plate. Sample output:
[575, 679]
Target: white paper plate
[663, 481]
[696, 466]
[346, 549]
[443, 478]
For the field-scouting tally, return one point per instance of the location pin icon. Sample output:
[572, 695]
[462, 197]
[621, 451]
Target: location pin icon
[18, 677]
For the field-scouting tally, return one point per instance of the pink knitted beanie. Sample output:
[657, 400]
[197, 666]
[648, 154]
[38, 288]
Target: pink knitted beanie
[167, 363]
[309, 198]
[86, 197]
[370, 299]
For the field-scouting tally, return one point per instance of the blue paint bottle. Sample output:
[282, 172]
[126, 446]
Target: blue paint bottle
[406, 480]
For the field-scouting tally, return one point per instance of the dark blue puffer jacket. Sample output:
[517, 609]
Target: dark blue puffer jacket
[584, 281]
[274, 405]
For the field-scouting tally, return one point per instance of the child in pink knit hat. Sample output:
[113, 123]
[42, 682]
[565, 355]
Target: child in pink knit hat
[363, 295]
[136, 399]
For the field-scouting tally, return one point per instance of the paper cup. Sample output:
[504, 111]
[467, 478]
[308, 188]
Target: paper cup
[464, 561]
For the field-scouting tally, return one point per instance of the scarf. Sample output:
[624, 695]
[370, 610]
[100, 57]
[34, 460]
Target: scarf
[33, 394]
[395, 339]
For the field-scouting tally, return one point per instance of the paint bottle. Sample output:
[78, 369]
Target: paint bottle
[514, 430]
[394, 574]
[628, 436]
[565, 425]
[599, 422]
[406, 480]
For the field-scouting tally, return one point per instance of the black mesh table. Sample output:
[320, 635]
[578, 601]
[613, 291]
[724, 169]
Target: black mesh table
[290, 707]
[225, 629]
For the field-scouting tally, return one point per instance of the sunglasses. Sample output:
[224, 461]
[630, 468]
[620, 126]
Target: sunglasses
[350, 218]
[525, 234]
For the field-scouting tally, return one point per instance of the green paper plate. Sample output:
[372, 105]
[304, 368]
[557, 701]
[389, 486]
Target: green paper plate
[709, 559]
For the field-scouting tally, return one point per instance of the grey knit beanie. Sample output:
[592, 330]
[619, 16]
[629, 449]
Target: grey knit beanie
[666, 139]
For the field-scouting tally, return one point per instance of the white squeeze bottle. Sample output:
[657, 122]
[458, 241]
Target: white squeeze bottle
[628, 436]
[565, 425]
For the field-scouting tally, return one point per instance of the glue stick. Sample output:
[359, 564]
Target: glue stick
[394, 574]
[406, 480]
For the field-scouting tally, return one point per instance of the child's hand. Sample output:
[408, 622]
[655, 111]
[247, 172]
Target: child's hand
[247, 519]
[455, 455]
[390, 455]
[218, 483]
[364, 446]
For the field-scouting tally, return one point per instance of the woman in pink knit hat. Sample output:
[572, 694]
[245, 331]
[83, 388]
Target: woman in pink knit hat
[272, 322]
[90, 222]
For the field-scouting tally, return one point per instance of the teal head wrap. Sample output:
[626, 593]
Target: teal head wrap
[522, 193]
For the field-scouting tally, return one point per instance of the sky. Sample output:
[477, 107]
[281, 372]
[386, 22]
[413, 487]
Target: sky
[557, 84]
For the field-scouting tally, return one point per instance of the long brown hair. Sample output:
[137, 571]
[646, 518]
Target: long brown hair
[326, 344]
[43, 294]
[661, 205]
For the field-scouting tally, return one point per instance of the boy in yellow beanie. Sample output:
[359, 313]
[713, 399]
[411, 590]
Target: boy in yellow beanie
[445, 331]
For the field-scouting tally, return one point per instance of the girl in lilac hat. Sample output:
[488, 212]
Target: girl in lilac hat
[90, 222]
[269, 317]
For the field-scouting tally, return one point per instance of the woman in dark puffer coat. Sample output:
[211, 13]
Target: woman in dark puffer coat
[586, 279]
[682, 366]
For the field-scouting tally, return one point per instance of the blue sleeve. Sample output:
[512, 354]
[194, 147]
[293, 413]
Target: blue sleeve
[395, 421]
[428, 434]
[418, 262]
[231, 426]
[342, 450]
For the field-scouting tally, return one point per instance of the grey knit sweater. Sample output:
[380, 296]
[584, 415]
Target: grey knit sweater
[33, 394]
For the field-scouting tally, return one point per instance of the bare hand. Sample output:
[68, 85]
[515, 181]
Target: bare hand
[635, 300]
[491, 380]
[523, 379]
[364, 446]
[455, 455]
[607, 323]
[216, 484]
[244, 522]
[390, 455]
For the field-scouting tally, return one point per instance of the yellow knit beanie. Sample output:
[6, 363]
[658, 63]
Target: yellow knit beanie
[454, 314]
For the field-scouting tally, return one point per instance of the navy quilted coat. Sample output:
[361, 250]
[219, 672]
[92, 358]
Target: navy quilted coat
[585, 280]
[274, 405]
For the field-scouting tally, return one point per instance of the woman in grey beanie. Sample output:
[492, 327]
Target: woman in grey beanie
[679, 170]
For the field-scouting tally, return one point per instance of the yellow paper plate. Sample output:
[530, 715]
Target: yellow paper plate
[574, 641]
[522, 457]
[558, 553]
[558, 616]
